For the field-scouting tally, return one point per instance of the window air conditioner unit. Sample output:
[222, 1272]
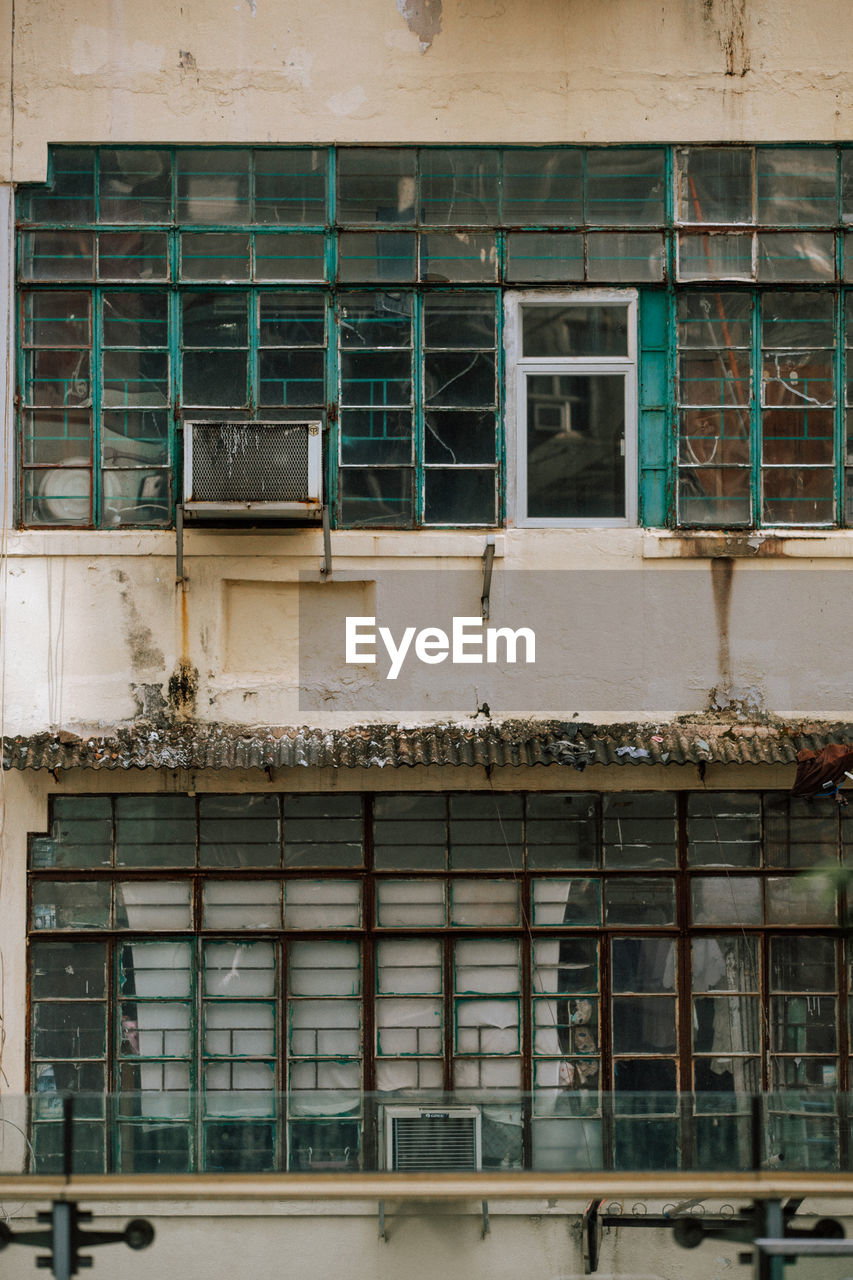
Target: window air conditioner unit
[268, 470]
[432, 1139]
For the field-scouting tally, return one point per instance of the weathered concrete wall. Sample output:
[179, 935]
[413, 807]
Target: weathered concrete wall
[429, 70]
[100, 633]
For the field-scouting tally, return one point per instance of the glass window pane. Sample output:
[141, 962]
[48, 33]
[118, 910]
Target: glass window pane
[323, 831]
[802, 321]
[534, 257]
[376, 256]
[135, 185]
[801, 899]
[714, 377]
[459, 187]
[139, 378]
[460, 437]
[155, 831]
[798, 496]
[290, 186]
[805, 963]
[565, 965]
[562, 830]
[459, 496]
[803, 257]
[376, 184]
[716, 319]
[484, 902]
[54, 377]
[57, 319]
[459, 379]
[57, 255]
[377, 498]
[714, 496]
[247, 968]
[803, 1024]
[324, 968]
[715, 184]
[70, 193]
[722, 256]
[135, 319]
[77, 904]
[242, 904]
[69, 1029]
[239, 831]
[80, 834]
[215, 378]
[631, 900]
[372, 320]
[625, 186]
[215, 319]
[644, 1025]
[723, 829]
[726, 900]
[213, 186]
[151, 906]
[294, 256]
[575, 446]
[643, 964]
[376, 378]
[322, 904]
[410, 966]
[620, 256]
[376, 437]
[460, 256]
[562, 902]
[292, 320]
[582, 330]
[485, 832]
[639, 830]
[542, 185]
[56, 436]
[797, 185]
[214, 255]
[459, 321]
[68, 970]
[724, 1025]
[487, 966]
[132, 255]
[291, 378]
[410, 832]
[728, 962]
[713, 438]
[410, 903]
[62, 496]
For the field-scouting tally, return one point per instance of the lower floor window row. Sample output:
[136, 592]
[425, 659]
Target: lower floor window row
[235, 1053]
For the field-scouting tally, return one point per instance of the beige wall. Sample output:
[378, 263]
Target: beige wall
[496, 70]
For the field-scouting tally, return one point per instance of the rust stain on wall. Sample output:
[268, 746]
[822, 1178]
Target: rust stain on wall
[423, 18]
[728, 17]
[722, 573]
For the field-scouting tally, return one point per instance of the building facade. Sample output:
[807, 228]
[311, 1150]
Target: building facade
[467, 774]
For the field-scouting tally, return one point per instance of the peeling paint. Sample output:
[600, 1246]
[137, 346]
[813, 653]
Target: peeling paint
[423, 18]
[186, 61]
[722, 573]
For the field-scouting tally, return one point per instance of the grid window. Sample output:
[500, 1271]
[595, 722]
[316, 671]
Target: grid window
[251, 976]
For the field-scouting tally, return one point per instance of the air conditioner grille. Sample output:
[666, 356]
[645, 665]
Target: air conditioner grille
[433, 1144]
[265, 462]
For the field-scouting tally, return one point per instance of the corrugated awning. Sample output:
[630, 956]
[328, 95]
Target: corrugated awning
[510, 742]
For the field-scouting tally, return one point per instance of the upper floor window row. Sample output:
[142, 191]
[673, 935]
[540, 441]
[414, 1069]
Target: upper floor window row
[627, 186]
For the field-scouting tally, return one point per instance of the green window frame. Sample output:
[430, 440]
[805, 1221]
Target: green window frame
[100, 448]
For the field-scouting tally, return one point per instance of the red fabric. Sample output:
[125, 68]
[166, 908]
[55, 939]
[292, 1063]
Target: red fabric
[814, 768]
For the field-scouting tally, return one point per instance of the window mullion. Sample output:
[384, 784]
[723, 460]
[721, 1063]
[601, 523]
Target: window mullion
[418, 405]
[756, 451]
[840, 345]
[253, 338]
[95, 386]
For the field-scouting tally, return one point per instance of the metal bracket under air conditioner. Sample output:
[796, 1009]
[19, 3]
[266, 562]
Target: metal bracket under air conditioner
[181, 578]
[383, 1230]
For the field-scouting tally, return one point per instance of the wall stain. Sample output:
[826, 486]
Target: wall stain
[145, 653]
[728, 17]
[183, 690]
[722, 574]
[423, 18]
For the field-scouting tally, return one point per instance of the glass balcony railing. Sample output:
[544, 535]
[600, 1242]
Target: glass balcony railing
[245, 1132]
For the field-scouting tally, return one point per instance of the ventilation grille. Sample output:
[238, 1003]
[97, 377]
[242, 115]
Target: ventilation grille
[435, 1143]
[252, 461]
